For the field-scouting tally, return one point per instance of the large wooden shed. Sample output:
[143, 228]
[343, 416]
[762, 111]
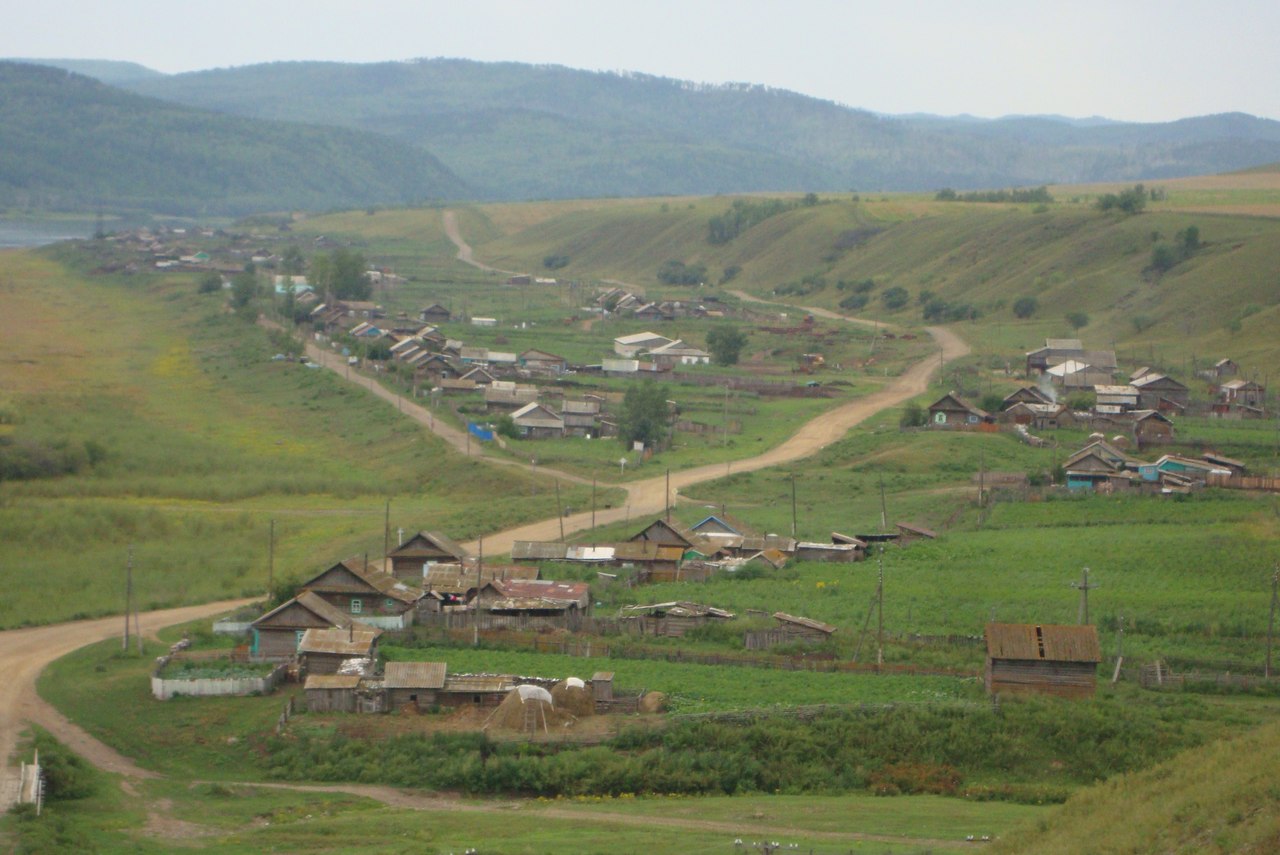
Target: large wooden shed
[1056, 660]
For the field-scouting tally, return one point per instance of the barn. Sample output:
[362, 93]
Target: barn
[1055, 660]
[413, 683]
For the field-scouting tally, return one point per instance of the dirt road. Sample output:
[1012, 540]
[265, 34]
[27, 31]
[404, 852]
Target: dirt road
[24, 653]
[465, 253]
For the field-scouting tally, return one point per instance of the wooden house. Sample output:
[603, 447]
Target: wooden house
[581, 418]
[539, 361]
[1151, 427]
[672, 619]
[434, 314]
[802, 628]
[952, 412]
[1225, 368]
[411, 559]
[1025, 395]
[370, 595]
[1245, 392]
[1155, 389]
[664, 533]
[535, 603]
[536, 421]
[1097, 464]
[1057, 660]
[322, 651]
[507, 397]
[679, 353]
[1037, 416]
[413, 684]
[276, 635]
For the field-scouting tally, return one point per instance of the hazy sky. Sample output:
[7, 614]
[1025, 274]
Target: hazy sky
[1124, 59]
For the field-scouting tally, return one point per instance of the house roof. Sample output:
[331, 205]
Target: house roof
[315, 604]
[534, 414]
[837, 537]
[1153, 379]
[456, 579]
[1043, 642]
[339, 642]
[911, 528]
[952, 401]
[427, 543]
[1064, 344]
[641, 338]
[568, 593]
[414, 675]
[809, 623]
[350, 576]
[677, 608]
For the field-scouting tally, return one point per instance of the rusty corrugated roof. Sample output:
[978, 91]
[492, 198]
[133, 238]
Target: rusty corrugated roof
[339, 642]
[1043, 642]
[804, 621]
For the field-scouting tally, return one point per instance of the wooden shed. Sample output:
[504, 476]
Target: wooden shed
[1056, 660]
[413, 683]
[323, 651]
[672, 619]
[331, 692]
[802, 628]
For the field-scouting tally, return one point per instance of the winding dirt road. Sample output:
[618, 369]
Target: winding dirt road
[24, 653]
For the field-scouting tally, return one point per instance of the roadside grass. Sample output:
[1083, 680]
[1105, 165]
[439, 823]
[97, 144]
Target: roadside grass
[1218, 798]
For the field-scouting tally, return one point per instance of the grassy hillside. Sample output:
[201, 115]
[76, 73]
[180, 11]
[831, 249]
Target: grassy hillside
[1215, 799]
[72, 143]
[136, 413]
[1068, 256]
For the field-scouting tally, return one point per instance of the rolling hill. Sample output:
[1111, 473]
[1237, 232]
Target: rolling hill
[517, 131]
[73, 143]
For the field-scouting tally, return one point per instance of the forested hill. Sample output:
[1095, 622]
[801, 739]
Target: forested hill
[517, 131]
[73, 143]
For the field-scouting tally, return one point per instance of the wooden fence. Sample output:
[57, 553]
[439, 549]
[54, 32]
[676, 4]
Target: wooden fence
[1158, 676]
[1245, 482]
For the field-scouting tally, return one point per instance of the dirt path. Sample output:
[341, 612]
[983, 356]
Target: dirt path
[417, 800]
[465, 253]
[24, 653]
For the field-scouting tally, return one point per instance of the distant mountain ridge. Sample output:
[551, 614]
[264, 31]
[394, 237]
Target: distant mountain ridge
[513, 131]
[522, 131]
[73, 143]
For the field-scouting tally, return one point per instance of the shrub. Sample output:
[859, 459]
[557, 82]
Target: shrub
[1025, 307]
[895, 298]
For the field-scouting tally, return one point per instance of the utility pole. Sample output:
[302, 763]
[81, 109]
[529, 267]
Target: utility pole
[559, 510]
[1084, 587]
[726, 415]
[593, 501]
[793, 505]
[128, 598]
[668, 495]
[1119, 651]
[880, 608]
[884, 512]
[1271, 622]
[271, 559]
[386, 531]
[982, 480]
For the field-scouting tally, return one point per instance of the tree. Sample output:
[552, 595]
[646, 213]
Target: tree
[1189, 238]
[210, 283]
[244, 288]
[1025, 307]
[913, 415]
[725, 344]
[644, 415]
[1131, 201]
[350, 276]
[1163, 257]
[1078, 320]
[895, 297]
[292, 262]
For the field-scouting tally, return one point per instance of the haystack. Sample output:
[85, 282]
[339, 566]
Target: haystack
[573, 696]
[653, 702]
[527, 709]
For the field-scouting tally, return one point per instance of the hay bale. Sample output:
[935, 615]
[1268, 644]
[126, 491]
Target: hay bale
[525, 704]
[653, 702]
[575, 699]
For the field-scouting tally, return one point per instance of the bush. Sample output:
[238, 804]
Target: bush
[555, 262]
[853, 302]
[895, 298]
[1025, 307]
